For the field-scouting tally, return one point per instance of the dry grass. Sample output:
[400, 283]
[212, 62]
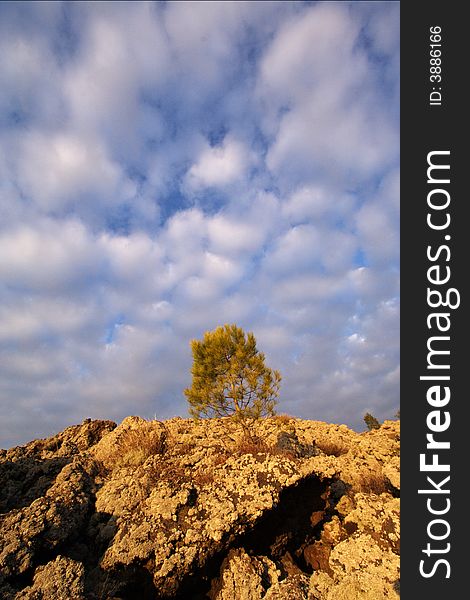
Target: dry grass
[203, 478]
[183, 448]
[136, 445]
[172, 473]
[332, 447]
[219, 459]
[176, 475]
[371, 483]
[255, 445]
[283, 419]
[252, 445]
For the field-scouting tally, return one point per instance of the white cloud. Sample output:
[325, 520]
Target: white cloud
[62, 171]
[219, 166]
[135, 258]
[311, 203]
[306, 53]
[300, 289]
[296, 250]
[383, 29]
[377, 222]
[123, 53]
[221, 269]
[201, 37]
[311, 248]
[28, 72]
[31, 319]
[333, 124]
[236, 237]
[166, 169]
[49, 256]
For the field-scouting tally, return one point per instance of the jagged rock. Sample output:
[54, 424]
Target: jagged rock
[252, 578]
[391, 471]
[47, 522]
[378, 517]
[361, 558]
[361, 570]
[27, 472]
[131, 443]
[287, 442]
[180, 526]
[71, 441]
[184, 509]
[244, 577]
[61, 579]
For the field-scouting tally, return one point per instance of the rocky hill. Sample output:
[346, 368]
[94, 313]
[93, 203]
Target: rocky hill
[185, 509]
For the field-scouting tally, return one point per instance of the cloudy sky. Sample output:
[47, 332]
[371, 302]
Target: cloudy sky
[167, 168]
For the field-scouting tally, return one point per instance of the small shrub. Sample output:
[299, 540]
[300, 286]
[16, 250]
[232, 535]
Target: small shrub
[136, 445]
[173, 474]
[283, 419]
[286, 453]
[169, 471]
[372, 483]
[371, 422]
[333, 447]
[252, 445]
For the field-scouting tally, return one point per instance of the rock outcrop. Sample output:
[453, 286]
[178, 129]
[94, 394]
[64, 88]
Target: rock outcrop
[185, 509]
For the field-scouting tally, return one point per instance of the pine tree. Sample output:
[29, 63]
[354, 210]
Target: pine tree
[230, 378]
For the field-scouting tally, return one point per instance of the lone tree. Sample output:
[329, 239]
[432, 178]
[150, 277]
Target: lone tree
[230, 377]
[371, 422]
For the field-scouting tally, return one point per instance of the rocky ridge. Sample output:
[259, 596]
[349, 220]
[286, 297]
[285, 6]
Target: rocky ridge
[191, 509]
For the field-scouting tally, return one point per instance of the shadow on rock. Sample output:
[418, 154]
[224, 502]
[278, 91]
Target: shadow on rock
[26, 479]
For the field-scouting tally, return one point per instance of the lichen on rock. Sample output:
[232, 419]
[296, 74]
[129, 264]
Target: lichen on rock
[190, 509]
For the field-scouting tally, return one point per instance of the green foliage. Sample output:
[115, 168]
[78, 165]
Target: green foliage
[371, 422]
[230, 378]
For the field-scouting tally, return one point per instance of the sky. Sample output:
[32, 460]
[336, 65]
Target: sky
[166, 168]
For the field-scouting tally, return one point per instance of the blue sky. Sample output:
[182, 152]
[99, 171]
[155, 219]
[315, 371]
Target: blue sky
[169, 167]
